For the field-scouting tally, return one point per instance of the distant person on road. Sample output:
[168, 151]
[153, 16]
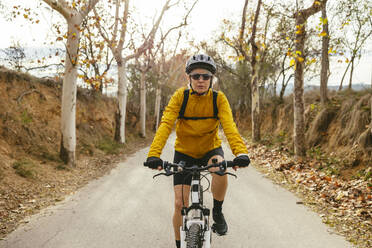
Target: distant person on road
[199, 111]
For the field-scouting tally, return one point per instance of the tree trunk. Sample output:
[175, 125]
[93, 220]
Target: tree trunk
[256, 134]
[298, 100]
[68, 115]
[371, 114]
[157, 107]
[343, 76]
[143, 105]
[351, 73]
[122, 103]
[256, 125]
[68, 106]
[325, 59]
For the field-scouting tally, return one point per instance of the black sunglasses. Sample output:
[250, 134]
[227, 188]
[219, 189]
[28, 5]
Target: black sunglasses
[197, 76]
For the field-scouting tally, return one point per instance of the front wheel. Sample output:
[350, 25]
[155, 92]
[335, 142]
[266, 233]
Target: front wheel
[194, 237]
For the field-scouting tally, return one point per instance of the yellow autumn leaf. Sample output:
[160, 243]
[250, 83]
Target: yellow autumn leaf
[298, 52]
[287, 38]
[317, 3]
[292, 62]
[25, 16]
[300, 59]
[73, 4]
[347, 61]
[331, 50]
[322, 34]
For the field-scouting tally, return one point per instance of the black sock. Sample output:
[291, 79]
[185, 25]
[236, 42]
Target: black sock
[217, 205]
[178, 243]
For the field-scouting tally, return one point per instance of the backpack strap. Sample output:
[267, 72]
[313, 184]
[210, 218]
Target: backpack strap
[215, 109]
[181, 114]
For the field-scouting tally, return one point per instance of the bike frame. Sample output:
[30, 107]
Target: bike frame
[196, 214]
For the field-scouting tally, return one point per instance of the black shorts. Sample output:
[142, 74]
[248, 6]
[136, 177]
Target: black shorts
[183, 178]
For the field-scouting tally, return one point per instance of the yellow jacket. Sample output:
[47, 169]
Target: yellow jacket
[197, 137]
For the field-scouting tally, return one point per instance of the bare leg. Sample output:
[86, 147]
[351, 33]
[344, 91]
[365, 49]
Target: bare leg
[219, 183]
[178, 204]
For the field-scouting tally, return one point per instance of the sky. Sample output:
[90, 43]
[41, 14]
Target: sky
[203, 23]
[205, 18]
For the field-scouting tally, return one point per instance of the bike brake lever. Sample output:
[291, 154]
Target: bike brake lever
[164, 174]
[222, 173]
[231, 174]
[160, 174]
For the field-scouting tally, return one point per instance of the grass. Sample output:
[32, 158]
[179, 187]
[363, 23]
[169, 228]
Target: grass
[50, 156]
[364, 174]
[62, 167]
[109, 146]
[26, 117]
[25, 168]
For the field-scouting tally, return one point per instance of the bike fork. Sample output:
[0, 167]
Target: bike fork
[206, 242]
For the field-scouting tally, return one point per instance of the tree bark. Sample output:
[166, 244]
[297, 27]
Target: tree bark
[143, 104]
[74, 19]
[343, 76]
[351, 73]
[256, 129]
[325, 59]
[157, 107]
[298, 100]
[122, 102]
[68, 111]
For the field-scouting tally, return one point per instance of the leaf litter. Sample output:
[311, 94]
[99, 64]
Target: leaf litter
[344, 205]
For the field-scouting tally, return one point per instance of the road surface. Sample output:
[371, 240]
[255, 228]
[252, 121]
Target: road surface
[128, 209]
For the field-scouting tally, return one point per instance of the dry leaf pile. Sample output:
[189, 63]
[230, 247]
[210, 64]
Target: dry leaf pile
[346, 206]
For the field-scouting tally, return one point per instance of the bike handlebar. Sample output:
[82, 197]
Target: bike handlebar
[181, 167]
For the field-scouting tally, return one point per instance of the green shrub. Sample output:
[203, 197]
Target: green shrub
[25, 168]
[109, 146]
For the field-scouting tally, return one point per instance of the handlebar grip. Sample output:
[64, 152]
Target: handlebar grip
[230, 164]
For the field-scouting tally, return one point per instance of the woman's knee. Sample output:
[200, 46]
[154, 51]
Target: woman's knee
[178, 204]
[178, 201]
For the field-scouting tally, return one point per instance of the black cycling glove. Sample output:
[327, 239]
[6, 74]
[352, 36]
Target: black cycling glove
[241, 161]
[153, 162]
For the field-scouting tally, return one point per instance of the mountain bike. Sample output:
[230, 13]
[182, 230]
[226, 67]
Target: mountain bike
[195, 229]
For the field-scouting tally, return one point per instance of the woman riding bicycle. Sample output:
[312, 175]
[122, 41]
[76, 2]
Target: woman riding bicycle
[199, 111]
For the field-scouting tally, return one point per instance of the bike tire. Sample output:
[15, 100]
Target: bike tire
[193, 238]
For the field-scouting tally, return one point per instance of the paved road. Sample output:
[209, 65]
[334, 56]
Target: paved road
[127, 208]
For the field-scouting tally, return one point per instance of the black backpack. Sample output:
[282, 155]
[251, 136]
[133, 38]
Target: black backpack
[184, 103]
